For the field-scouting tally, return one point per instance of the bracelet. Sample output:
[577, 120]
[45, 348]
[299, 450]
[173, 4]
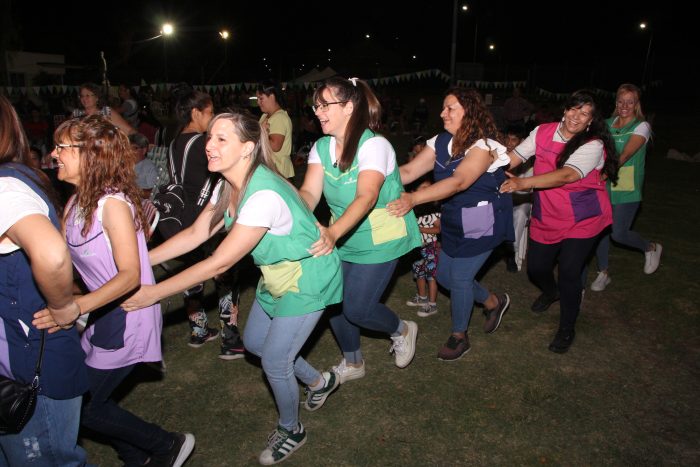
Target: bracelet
[70, 323]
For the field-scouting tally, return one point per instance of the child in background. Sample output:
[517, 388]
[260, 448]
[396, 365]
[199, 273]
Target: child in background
[425, 269]
[522, 203]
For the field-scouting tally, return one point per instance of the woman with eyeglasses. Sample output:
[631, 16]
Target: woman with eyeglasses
[37, 274]
[104, 227]
[91, 100]
[467, 163]
[355, 169]
[571, 206]
[631, 134]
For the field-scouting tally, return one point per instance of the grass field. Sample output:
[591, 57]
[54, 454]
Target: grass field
[625, 394]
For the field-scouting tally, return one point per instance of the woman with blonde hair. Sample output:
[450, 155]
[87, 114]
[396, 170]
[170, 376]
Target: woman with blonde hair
[265, 217]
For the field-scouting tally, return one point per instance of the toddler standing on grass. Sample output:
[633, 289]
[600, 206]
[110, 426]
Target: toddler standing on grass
[425, 268]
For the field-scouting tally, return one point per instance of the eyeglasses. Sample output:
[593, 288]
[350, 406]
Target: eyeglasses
[323, 107]
[85, 96]
[59, 147]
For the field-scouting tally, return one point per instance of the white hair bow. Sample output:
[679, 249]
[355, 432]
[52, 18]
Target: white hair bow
[353, 81]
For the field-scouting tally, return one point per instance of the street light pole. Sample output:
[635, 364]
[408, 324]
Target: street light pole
[453, 55]
[646, 61]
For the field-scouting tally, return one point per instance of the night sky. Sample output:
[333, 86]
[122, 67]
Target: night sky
[285, 39]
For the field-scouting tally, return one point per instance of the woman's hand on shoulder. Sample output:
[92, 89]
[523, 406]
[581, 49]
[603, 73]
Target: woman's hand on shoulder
[400, 206]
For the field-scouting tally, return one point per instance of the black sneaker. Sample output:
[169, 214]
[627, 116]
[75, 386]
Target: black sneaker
[281, 444]
[196, 341]
[511, 265]
[562, 341]
[494, 316]
[183, 444]
[232, 348]
[543, 302]
[454, 349]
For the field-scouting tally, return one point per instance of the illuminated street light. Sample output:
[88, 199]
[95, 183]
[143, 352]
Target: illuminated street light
[453, 55]
[224, 34]
[167, 29]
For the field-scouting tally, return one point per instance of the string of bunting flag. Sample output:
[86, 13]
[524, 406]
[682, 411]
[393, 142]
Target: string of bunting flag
[60, 89]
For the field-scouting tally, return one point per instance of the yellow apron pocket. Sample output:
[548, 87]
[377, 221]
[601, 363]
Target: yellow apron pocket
[625, 181]
[386, 227]
[281, 278]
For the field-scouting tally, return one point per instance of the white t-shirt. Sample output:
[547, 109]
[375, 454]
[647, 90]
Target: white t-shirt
[264, 208]
[502, 158]
[587, 157]
[375, 154]
[17, 201]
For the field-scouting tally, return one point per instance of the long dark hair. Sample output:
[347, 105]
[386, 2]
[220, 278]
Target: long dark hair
[271, 88]
[187, 99]
[14, 148]
[367, 112]
[477, 122]
[597, 129]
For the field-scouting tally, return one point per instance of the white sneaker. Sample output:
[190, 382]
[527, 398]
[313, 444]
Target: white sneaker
[601, 282]
[404, 347]
[348, 373]
[652, 259]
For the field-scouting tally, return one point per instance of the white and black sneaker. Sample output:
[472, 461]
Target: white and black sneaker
[281, 444]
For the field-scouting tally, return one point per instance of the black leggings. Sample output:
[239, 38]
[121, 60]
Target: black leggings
[572, 255]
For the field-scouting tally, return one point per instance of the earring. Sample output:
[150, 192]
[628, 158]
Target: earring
[588, 127]
[563, 118]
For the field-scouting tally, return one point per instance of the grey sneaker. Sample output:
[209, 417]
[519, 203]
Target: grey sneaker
[281, 444]
[347, 373]
[417, 300]
[404, 347]
[601, 281]
[428, 310]
[652, 259]
[316, 399]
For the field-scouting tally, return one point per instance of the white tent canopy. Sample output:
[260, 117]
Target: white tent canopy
[316, 75]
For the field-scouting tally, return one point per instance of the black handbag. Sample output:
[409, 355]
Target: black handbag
[18, 400]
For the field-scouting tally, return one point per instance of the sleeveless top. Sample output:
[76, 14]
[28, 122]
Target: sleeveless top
[63, 372]
[113, 338]
[477, 219]
[379, 237]
[293, 282]
[575, 210]
[631, 174]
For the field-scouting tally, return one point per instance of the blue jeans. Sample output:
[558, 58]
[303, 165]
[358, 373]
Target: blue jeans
[363, 287]
[49, 439]
[133, 438]
[622, 233]
[277, 341]
[457, 274]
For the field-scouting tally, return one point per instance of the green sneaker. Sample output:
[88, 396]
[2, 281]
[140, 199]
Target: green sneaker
[281, 444]
[316, 399]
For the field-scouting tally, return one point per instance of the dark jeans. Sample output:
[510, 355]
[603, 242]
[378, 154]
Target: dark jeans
[134, 439]
[571, 254]
[364, 285]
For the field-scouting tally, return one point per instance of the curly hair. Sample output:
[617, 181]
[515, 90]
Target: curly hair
[477, 122]
[106, 165]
